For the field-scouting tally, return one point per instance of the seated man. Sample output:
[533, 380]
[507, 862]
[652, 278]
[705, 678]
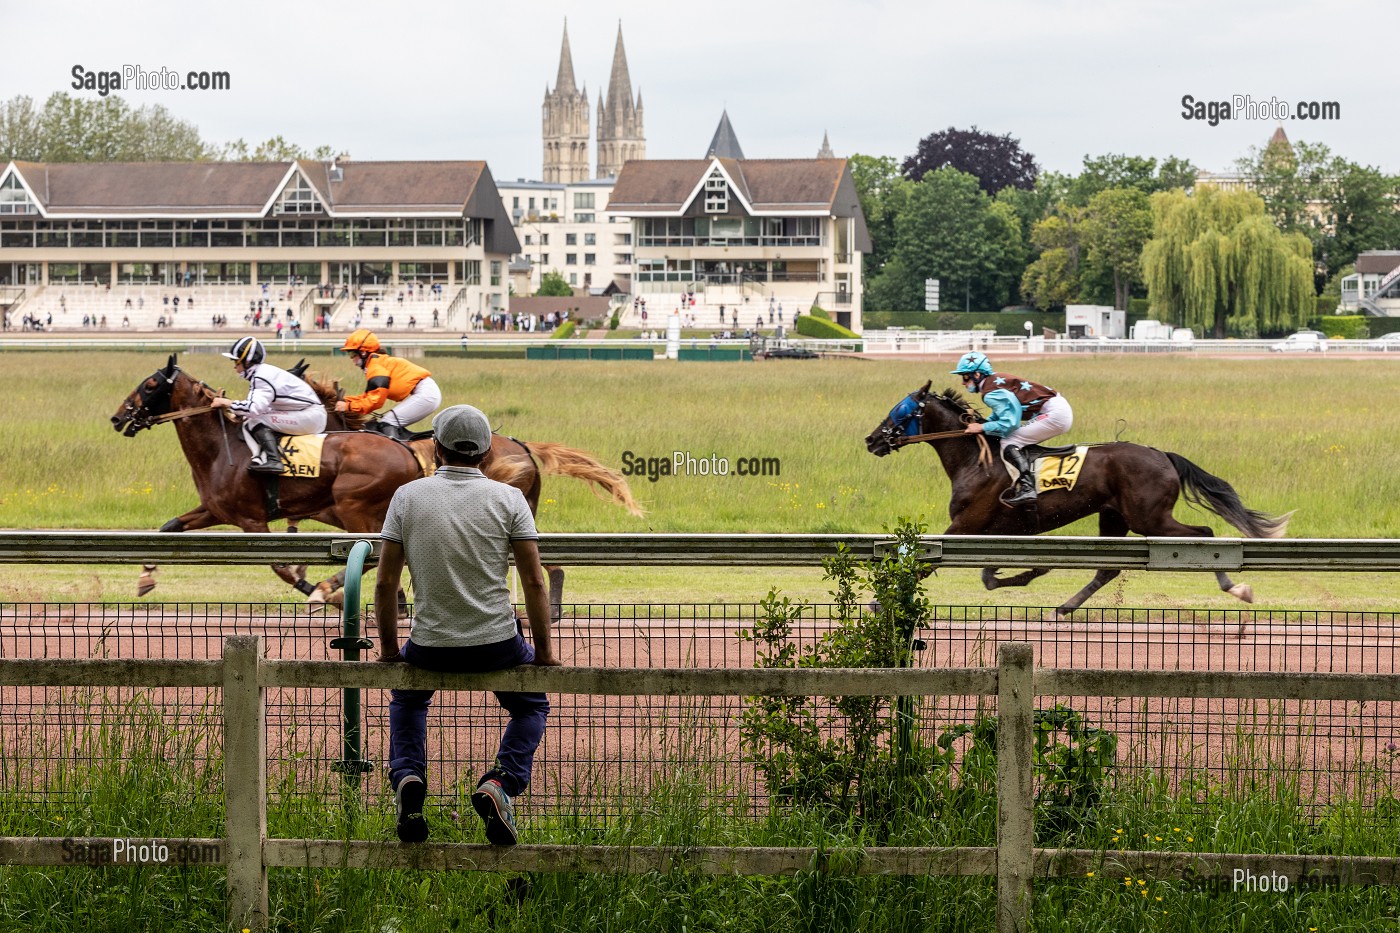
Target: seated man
[389, 378]
[277, 403]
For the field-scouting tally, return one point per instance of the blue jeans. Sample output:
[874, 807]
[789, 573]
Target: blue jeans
[408, 712]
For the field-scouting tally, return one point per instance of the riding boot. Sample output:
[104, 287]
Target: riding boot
[269, 459]
[397, 432]
[1024, 490]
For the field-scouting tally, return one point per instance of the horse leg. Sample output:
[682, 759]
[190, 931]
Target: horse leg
[1111, 525]
[192, 520]
[556, 593]
[294, 575]
[991, 581]
[1241, 591]
[328, 592]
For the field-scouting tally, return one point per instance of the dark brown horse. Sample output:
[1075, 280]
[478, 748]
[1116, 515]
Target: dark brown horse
[360, 471]
[1130, 487]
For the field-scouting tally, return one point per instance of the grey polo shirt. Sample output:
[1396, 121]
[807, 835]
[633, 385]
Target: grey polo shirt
[456, 528]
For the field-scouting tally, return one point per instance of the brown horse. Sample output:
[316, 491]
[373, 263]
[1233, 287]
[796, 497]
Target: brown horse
[359, 472]
[1130, 487]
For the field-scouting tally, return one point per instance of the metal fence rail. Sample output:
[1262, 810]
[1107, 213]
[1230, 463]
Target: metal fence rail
[749, 550]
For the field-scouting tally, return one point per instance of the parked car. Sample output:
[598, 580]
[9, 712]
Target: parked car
[1385, 342]
[1305, 341]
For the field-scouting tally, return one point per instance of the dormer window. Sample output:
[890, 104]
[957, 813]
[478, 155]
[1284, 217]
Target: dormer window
[299, 198]
[14, 199]
[716, 194]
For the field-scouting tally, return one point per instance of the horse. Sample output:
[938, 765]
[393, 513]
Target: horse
[360, 470]
[1130, 487]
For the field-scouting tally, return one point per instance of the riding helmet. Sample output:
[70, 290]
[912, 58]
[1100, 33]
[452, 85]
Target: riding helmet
[973, 362]
[362, 340]
[248, 351]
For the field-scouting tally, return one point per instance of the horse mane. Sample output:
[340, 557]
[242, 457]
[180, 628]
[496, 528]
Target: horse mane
[329, 393]
[955, 400]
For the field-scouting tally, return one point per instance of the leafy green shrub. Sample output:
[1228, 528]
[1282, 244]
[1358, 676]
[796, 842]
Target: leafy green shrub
[809, 325]
[564, 331]
[615, 319]
[819, 311]
[1351, 326]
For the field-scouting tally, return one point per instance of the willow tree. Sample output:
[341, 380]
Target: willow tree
[1218, 263]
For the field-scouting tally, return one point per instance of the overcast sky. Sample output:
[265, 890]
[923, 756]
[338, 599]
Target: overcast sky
[420, 80]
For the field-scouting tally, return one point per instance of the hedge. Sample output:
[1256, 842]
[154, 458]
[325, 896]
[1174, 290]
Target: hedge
[810, 325]
[564, 331]
[1349, 327]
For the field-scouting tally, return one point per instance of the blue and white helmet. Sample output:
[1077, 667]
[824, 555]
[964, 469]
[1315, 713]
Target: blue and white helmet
[973, 362]
[248, 351]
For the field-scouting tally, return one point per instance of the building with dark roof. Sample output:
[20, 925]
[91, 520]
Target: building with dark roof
[751, 228]
[345, 223]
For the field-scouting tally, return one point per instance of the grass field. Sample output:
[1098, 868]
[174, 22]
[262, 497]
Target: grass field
[1305, 435]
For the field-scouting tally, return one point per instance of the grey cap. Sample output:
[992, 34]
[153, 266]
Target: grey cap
[463, 429]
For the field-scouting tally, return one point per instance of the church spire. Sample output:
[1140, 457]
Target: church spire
[825, 151]
[565, 80]
[620, 132]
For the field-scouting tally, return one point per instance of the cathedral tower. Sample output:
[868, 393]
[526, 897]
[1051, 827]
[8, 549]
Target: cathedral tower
[620, 133]
[566, 122]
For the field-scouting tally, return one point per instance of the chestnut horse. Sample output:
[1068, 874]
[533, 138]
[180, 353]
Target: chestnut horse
[1130, 487]
[360, 470]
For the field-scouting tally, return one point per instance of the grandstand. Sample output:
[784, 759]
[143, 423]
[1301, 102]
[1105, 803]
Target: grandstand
[192, 245]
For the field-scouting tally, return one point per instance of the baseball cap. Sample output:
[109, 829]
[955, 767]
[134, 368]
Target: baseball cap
[463, 429]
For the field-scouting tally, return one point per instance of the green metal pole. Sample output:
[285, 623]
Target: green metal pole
[351, 642]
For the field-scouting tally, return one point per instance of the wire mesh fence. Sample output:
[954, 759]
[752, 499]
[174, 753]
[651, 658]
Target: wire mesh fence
[596, 747]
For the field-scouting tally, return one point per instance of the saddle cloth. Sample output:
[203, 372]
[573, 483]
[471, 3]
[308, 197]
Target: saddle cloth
[301, 454]
[1058, 470]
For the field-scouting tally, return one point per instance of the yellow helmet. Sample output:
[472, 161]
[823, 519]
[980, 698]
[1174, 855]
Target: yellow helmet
[362, 340]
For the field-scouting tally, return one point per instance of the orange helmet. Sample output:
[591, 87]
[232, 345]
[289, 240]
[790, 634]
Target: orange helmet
[362, 340]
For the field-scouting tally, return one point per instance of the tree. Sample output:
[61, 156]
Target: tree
[996, 162]
[76, 129]
[1117, 225]
[1052, 280]
[952, 231]
[1124, 171]
[1218, 263]
[552, 285]
[883, 193]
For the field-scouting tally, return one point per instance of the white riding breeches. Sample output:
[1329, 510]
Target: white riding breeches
[310, 420]
[421, 402]
[1055, 418]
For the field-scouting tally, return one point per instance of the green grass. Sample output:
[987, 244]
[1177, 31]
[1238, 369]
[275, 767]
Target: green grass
[145, 780]
[1307, 435]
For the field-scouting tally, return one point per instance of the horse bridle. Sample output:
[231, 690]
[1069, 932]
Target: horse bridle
[140, 418]
[906, 418]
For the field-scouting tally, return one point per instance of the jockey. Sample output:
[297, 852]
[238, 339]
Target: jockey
[389, 378]
[1013, 400]
[277, 403]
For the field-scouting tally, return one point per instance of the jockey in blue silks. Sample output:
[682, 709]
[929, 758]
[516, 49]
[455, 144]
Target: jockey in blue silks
[1023, 413]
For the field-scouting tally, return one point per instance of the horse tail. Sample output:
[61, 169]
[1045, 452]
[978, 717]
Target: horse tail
[508, 470]
[1211, 492]
[558, 460]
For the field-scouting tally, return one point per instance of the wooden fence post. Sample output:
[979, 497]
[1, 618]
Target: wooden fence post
[1015, 803]
[245, 783]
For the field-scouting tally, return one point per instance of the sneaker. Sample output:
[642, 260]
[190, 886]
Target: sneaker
[408, 798]
[493, 805]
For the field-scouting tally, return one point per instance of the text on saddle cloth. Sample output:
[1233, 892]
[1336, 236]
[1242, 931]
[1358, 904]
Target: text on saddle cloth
[301, 454]
[1055, 471]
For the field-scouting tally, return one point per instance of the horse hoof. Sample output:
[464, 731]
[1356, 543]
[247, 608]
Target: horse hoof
[318, 595]
[144, 584]
[1242, 591]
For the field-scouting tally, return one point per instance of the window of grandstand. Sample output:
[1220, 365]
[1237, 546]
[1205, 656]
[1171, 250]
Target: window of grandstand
[716, 194]
[468, 272]
[299, 198]
[14, 199]
[495, 272]
[590, 259]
